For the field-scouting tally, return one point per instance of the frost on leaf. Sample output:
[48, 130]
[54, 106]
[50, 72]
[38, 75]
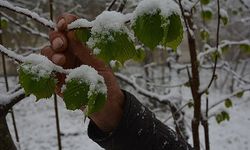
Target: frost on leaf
[84, 86]
[110, 38]
[158, 22]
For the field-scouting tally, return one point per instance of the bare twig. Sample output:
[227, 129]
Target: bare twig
[112, 3]
[217, 46]
[122, 5]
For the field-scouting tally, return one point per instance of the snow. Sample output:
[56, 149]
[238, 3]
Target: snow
[40, 63]
[105, 24]
[6, 99]
[80, 23]
[223, 13]
[90, 76]
[27, 12]
[166, 7]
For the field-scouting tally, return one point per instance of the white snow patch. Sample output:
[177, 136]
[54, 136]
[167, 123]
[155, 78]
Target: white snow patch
[80, 23]
[166, 8]
[90, 76]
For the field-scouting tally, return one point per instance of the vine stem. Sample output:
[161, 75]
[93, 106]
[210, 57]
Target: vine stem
[7, 87]
[217, 47]
[55, 96]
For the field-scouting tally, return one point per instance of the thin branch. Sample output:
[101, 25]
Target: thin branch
[122, 5]
[112, 3]
[217, 46]
[34, 32]
[28, 13]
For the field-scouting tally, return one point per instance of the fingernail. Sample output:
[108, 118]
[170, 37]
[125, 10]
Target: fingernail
[60, 23]
[57, 43]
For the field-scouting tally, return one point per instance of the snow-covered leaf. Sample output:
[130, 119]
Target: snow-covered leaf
[34, 83]
[84, 86]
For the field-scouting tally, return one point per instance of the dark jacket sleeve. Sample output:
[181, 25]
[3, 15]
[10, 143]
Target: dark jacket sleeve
[137, 130]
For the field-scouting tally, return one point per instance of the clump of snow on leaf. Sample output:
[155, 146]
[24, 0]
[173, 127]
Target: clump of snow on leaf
[41, 65]
[90, 76]
[79, 23]
[166, 8]
[107, 23]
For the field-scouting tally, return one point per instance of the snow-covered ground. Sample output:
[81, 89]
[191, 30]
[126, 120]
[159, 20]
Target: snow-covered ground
[37, 128]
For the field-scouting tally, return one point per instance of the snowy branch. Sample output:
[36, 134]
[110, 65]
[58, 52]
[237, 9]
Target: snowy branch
[28, 13]
[34, 32]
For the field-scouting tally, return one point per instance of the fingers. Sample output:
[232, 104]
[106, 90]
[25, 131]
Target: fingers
[48, 52]
[64, 20]
[58, 41]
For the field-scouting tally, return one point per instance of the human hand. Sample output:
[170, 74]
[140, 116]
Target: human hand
[66, 51]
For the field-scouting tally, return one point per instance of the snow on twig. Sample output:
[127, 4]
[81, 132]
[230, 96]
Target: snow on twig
[34, 32]
[223, 44]
[6, 99]
[28, 13]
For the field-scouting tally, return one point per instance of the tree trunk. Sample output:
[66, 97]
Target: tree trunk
[6, 142]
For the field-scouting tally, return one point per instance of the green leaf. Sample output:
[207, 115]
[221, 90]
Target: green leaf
[4, 23]
[204, 35]
[148, 29]
[83, 34]
[114, 46]
[228, 103]
[115, 65]
[239, 94]
[224, 20]
[140, 55]
[225, 115]
[207, 14]
[219, 118]
[96, 102]
[173, 31]
[76, 94]
[204, 2]
[33, 83]
[222, 116]
[245, 48]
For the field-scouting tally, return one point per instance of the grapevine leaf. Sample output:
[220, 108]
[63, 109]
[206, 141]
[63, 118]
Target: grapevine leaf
[173, 32]
[4, 23]
[140, 55]
[228, 103]
[239, 94]
[224, 20]
[219, 118]
[40, 86]
[114, 46]
[204, 35]
[83, 34]
[76, 94]
[205, 2]
[207, 15]
[96, 102]
[225, 115]
[245, 48]
[148, 29]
